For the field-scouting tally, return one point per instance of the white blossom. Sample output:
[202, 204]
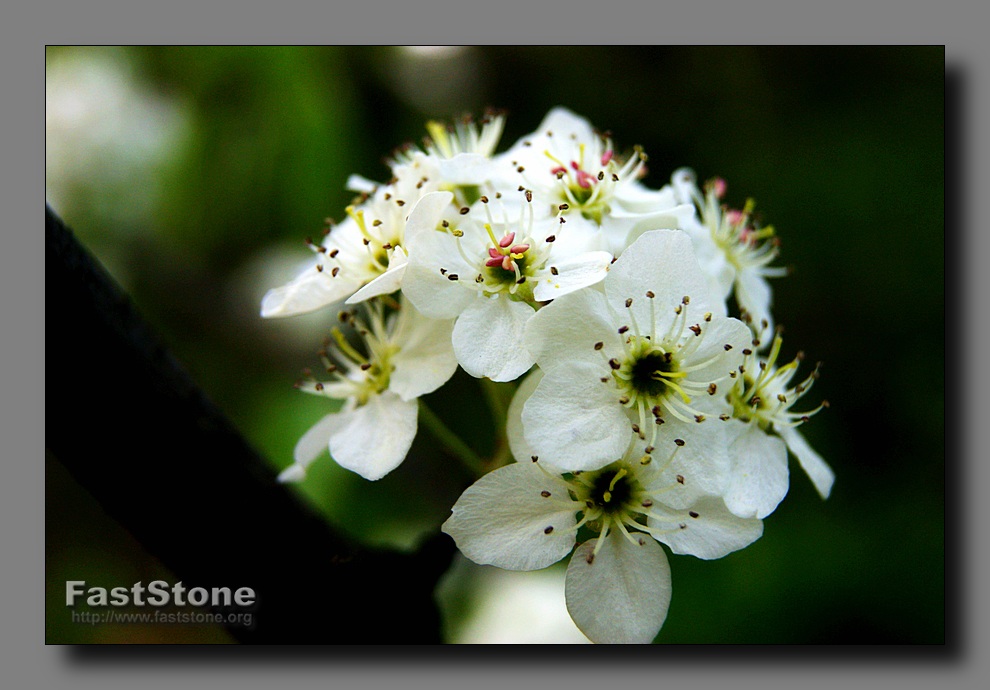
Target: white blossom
[764, 429]
[566, 163]
[732, 250]
[463, 152]
[365, 255]
[407, 355]
[649, 353]
[490, 271]
[527, 517]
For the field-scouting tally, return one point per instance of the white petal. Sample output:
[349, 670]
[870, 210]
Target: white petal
[715, 335]
[309, 291]
[714, 264]
[466, 169]
[566, 330]
[426, 359]
[574, 421]
[636, 198]
[309, 447]
[582, 235]
[426, 214]
[316, 440]
[359, 184]
[292, 473]
[759, 478]
[503, 519]
[513, 418]
[373, 439]
[385, 284]
[674, 217]
[708, 530]
[488, 338]
[430, 291]
[661, 261]
[753, 294]
[622, 595]
[565, 123]
[701, 463]
[821, 474]
[572, 274]
[685, 183]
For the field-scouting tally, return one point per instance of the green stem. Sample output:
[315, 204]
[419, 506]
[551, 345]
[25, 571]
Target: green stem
[451, 441]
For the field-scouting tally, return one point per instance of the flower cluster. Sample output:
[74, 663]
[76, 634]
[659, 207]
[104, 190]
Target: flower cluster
[632, 326]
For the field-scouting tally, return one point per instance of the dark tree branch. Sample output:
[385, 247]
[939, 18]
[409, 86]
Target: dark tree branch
[132, 428]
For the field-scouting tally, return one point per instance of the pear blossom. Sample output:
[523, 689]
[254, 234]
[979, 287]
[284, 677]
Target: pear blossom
[644, 416]
[365, 255]
[491, 272]
[647, 353]
[565, 162]
[692, 460]
[526, 517]
[407, 355]
[463, 152]
[731, 249]
[763, 429]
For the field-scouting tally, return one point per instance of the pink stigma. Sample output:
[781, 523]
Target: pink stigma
[507, 240]
[719, 186]
[606, 157]
[733, 216]
[584, 179]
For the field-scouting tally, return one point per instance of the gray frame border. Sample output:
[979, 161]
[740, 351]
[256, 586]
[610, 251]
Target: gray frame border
[30, 664]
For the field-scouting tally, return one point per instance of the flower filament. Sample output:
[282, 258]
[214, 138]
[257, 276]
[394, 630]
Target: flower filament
[507, 265]
[735, 234]
[464, 136]
[355, 375]
[654, 375]
[623, 496]
[589, 183]
[761, 395]
[378, 225]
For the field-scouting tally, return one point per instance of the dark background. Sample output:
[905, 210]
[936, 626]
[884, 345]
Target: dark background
[195, 173]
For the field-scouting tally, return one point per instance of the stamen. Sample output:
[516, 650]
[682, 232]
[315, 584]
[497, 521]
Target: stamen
[346, 347]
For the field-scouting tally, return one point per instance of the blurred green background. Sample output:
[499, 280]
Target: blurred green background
[194, 174]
